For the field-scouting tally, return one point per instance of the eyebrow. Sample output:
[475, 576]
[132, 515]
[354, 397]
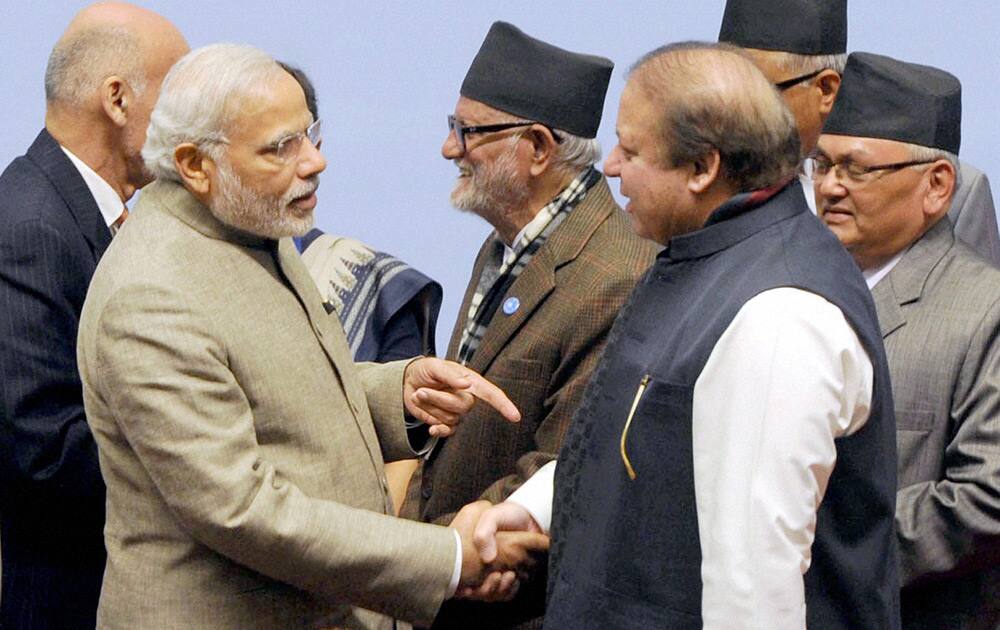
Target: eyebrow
[284, 135]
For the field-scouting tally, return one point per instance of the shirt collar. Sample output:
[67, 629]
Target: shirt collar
[873, 276]
[108, 201]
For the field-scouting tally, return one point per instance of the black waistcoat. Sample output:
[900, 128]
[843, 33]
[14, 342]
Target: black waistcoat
[626, 553]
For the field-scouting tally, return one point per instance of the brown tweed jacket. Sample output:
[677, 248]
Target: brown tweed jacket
[541, 356]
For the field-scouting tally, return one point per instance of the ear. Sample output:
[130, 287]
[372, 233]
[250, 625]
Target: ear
[195, 169]
[116, 97]
[704, 171]
[940, 188]
[543, 148]
[828, 83]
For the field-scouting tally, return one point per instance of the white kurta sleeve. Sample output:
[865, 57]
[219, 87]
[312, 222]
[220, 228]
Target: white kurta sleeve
[785, 379]
[535, 495]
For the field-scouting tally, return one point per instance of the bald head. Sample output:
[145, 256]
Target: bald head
[109, 39]
[101, 83]
[714, 99]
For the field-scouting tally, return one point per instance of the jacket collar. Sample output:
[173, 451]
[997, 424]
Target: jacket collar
[175, 199]
[49, 157]
[906, 282]
[538, 278]
[736, 220]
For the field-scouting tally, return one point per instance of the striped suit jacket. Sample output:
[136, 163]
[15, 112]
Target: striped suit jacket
[973, 215]
[939, 311]
[51, 494]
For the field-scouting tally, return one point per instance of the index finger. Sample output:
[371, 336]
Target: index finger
[493, 396]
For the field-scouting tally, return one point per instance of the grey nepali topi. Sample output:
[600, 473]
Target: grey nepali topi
[524, 76]
[803, 27]
[882, 97]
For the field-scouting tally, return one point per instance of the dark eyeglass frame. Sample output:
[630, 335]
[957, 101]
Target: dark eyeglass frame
[455, 125]
[788, 83]
[821, 165]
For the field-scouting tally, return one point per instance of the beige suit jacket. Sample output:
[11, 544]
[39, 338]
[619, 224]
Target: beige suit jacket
[241, 447]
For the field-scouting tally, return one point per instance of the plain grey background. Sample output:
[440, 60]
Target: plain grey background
[387, 73]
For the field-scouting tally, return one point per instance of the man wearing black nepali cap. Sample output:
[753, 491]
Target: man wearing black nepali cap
[885, 173]
[801, 47]
[548, 282]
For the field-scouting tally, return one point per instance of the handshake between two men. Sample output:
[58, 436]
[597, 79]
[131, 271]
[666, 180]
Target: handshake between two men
[493, 562]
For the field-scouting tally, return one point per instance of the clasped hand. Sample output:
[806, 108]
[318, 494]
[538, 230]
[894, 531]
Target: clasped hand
[438, 392]
[494, 562]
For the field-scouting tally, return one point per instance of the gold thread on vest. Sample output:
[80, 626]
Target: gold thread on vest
[628, 422]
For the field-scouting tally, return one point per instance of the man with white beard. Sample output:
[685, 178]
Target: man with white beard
[547, 284]
[241, 447]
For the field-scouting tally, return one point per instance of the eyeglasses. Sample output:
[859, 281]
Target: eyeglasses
[846, 170]
[455, 126]
[787, 83]
[287, 148]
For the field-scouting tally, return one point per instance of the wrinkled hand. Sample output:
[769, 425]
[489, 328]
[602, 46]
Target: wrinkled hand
[513, 554]
[438, 392]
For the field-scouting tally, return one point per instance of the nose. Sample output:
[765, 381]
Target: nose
[311, 160]
[827, 186]
[612, 164]
[450, 149]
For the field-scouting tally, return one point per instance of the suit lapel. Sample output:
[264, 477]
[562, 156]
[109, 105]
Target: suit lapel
[530, 288]
[470, 291]
[46, 153]
[890, 315]
[537, 280]
[905, 283]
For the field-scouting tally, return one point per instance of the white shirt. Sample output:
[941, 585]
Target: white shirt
[108, 201]
[787, 377]
[810, 192]
[873, 276]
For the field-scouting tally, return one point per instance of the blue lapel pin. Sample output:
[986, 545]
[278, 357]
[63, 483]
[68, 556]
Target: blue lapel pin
[510, 305]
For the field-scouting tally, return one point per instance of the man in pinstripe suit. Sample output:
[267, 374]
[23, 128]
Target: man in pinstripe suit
[59, 204]
[886, 173]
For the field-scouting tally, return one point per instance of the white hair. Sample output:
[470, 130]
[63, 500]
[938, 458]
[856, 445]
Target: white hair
[575, 153]
[199, 99]
[796, 65]
[80, 62]
[928, 154]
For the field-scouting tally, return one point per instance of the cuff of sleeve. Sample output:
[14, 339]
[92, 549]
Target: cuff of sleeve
[536, 495]
[456, 573]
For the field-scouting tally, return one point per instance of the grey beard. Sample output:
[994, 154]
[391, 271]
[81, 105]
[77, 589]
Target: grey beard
[245, 209]
[493, 189]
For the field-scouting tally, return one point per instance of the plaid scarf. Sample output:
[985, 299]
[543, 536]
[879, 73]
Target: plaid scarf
[501, 270]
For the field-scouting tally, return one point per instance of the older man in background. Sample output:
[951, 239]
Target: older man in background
[60, 203]
[547, 284]
[731, 464]
[801, 47]
[242, 448]
[886, 171]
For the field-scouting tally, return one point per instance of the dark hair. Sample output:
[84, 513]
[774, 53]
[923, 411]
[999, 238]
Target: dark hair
[307, 87]
[712, 98]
